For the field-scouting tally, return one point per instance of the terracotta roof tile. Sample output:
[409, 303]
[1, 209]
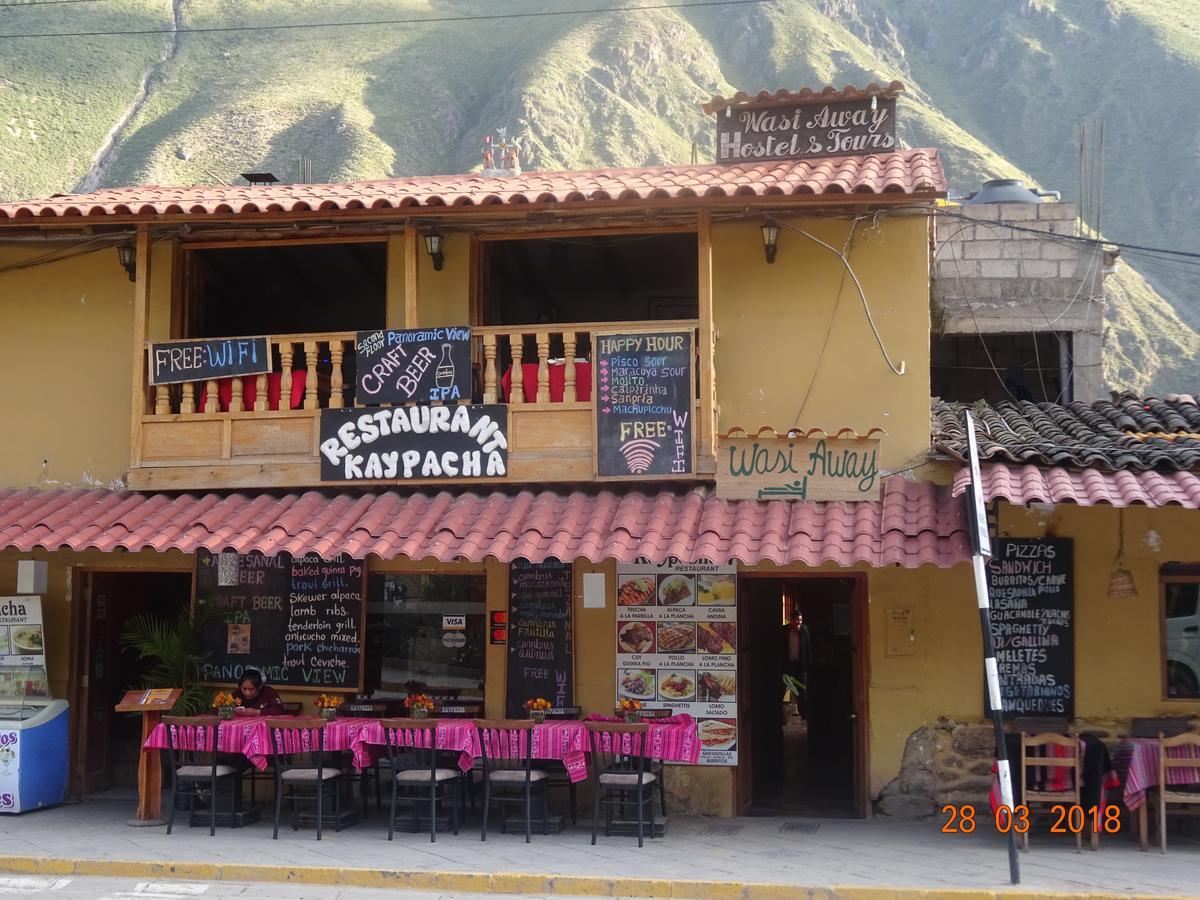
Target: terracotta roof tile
[901, 172]
[914, 524]
[826, 94]
[1126, 433]
[1032, 484]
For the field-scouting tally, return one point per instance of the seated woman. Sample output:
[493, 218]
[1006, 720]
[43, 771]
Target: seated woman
[257, 698]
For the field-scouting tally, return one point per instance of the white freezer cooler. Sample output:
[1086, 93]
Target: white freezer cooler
[33, 754]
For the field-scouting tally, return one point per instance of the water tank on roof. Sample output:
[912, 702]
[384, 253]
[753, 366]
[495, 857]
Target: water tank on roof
[1009, 190]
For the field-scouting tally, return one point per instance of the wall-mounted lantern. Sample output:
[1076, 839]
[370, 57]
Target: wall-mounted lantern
[433, 246]
[770, 233]
[128, 257]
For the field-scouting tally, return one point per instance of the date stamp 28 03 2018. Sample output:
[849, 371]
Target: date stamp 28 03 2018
[1064, 819]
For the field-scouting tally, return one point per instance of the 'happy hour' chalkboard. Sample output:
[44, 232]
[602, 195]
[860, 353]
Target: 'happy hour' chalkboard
[645, 392]
[1031, 584]
[419, 365]
[540, 661]
[297, 619]
[173, 362]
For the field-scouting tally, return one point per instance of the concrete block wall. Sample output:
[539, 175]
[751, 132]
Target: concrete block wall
[993, 278]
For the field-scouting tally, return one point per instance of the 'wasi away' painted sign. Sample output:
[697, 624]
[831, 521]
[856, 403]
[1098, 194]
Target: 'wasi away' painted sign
[202, 359]
[408, 443]
[801, 130]
[771, 467]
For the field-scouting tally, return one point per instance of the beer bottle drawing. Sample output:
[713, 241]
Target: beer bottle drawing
[444, 376]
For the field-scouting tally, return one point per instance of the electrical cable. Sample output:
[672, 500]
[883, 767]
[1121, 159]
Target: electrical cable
[293, 26]
[857, 284]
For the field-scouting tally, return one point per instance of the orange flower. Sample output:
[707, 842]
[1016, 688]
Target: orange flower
[537, 703]
[418, 701]
[223, 699]
[628, 705]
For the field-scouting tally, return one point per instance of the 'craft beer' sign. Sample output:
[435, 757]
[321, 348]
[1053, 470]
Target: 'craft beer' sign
[778, 467]
[799, 130]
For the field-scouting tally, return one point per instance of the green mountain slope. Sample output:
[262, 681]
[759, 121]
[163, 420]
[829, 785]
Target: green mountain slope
[999, 85]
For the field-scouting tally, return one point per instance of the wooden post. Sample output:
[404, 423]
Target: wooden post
[543, 368]
[568, 339]
[187, 402]
[489, 368]
[211, 402]
[412, 258]
[516, 346]
[708, 399]
[285, 377]
[149, 808]
[236, 400]
[141, 334]
[260, 391]
[336, 385]
[162, 400]
[310, 383]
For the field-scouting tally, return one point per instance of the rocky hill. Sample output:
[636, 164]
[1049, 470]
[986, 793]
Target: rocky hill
[1000, 85]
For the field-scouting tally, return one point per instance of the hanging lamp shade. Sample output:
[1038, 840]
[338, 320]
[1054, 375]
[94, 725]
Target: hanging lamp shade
[1120, 582]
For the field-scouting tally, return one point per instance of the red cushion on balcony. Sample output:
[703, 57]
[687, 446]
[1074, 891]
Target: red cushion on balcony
[250, 391]
[558, 374]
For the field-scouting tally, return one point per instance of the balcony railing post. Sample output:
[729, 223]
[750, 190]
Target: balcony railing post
[336, 398]
[211, 401]
[568, 339]
[516, 344]
[187, 400]
[489, 368]
[260, 393]
[162, 400]
[285, 377]
[310, 383]
[236, 401]
[543, 366]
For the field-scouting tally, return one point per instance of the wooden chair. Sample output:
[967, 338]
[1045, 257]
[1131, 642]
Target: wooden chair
[290, 708]
[1170, 793]
[556, 769]
[1061, 753]
[193, 764]
[620, 773]
[511, 780]
[298, 769]
[413, 763]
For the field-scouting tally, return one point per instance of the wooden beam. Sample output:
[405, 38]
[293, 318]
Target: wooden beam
[412, 258]
[141, 333]
[394, 317]
[708, 398]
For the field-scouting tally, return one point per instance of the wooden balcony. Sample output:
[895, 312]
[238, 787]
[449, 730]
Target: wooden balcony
[263, 430]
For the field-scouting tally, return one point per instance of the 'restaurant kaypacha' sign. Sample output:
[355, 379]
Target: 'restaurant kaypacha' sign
[410, 443]
[768, 466]
[796, 131]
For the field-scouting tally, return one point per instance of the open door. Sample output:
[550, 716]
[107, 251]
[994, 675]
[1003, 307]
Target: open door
[743, 790]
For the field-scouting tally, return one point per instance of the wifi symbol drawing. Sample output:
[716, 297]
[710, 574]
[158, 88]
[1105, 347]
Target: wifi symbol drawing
[639, 454]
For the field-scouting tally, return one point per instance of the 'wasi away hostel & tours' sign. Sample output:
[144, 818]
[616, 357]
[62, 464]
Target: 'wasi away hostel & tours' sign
[769, 466]
[796, 131]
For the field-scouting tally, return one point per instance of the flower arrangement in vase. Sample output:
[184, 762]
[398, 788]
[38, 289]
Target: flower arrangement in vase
[537, 708]
[419, 706]
[225, 703]
[328, 705]
[631, 709]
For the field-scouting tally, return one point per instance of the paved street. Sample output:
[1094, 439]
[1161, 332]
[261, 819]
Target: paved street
[789, 852]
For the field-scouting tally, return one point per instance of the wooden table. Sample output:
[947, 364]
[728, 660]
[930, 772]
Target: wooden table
[1136, 759]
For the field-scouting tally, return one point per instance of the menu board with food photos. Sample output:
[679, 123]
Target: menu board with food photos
[22, 649]
[677, 648]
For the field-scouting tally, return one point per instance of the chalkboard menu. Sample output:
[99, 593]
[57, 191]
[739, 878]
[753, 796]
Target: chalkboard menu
[1031, 584]
[173, 362]
[540, 661]
[296, 619]
[645, 397]
[419, 365]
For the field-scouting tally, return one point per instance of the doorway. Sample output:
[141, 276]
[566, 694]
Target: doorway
[109, 743]
[806, 754]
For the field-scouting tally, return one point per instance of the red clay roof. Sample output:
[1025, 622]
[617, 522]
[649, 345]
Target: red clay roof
[1087, 487]
[913, 525]
[901, 173]
[827, 94]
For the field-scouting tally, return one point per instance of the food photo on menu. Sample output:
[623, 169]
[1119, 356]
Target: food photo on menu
[716, 590]
[716, 687]
[676, 590]
[676, 637]
[677, 686]
[27, 640]
[635, 637]
[716, 637]
[4, 644]
[718, 734]
[637, 684]
[638, 591]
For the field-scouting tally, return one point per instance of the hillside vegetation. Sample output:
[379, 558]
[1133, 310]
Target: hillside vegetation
[999, 85]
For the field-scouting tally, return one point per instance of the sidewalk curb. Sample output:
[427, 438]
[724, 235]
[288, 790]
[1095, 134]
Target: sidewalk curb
[511, 882]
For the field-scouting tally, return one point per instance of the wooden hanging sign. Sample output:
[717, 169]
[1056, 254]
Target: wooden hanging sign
[799, 466]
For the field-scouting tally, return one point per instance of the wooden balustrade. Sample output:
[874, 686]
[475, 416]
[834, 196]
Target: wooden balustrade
[321, 357]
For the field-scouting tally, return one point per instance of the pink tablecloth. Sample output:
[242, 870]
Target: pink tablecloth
[1136, 759]
[249, 737]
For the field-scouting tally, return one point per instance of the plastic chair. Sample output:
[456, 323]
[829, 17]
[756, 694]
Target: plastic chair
[620, 773]
[295, 745]
[192, 761]
[413, 760]
[510, 779]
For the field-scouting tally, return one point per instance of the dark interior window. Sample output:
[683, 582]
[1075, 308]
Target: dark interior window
[1181, 615]
[590, 279]
[992, 367]
[299, 289]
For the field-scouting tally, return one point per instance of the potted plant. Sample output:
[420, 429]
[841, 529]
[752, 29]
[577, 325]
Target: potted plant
[631, 709]
[418, 705]
[328, 705]
[537, 708]
[225, 704]
[174, 650]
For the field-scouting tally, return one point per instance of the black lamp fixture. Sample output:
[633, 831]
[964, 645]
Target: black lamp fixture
[770, 233]
[128, 257]
[433, 246]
